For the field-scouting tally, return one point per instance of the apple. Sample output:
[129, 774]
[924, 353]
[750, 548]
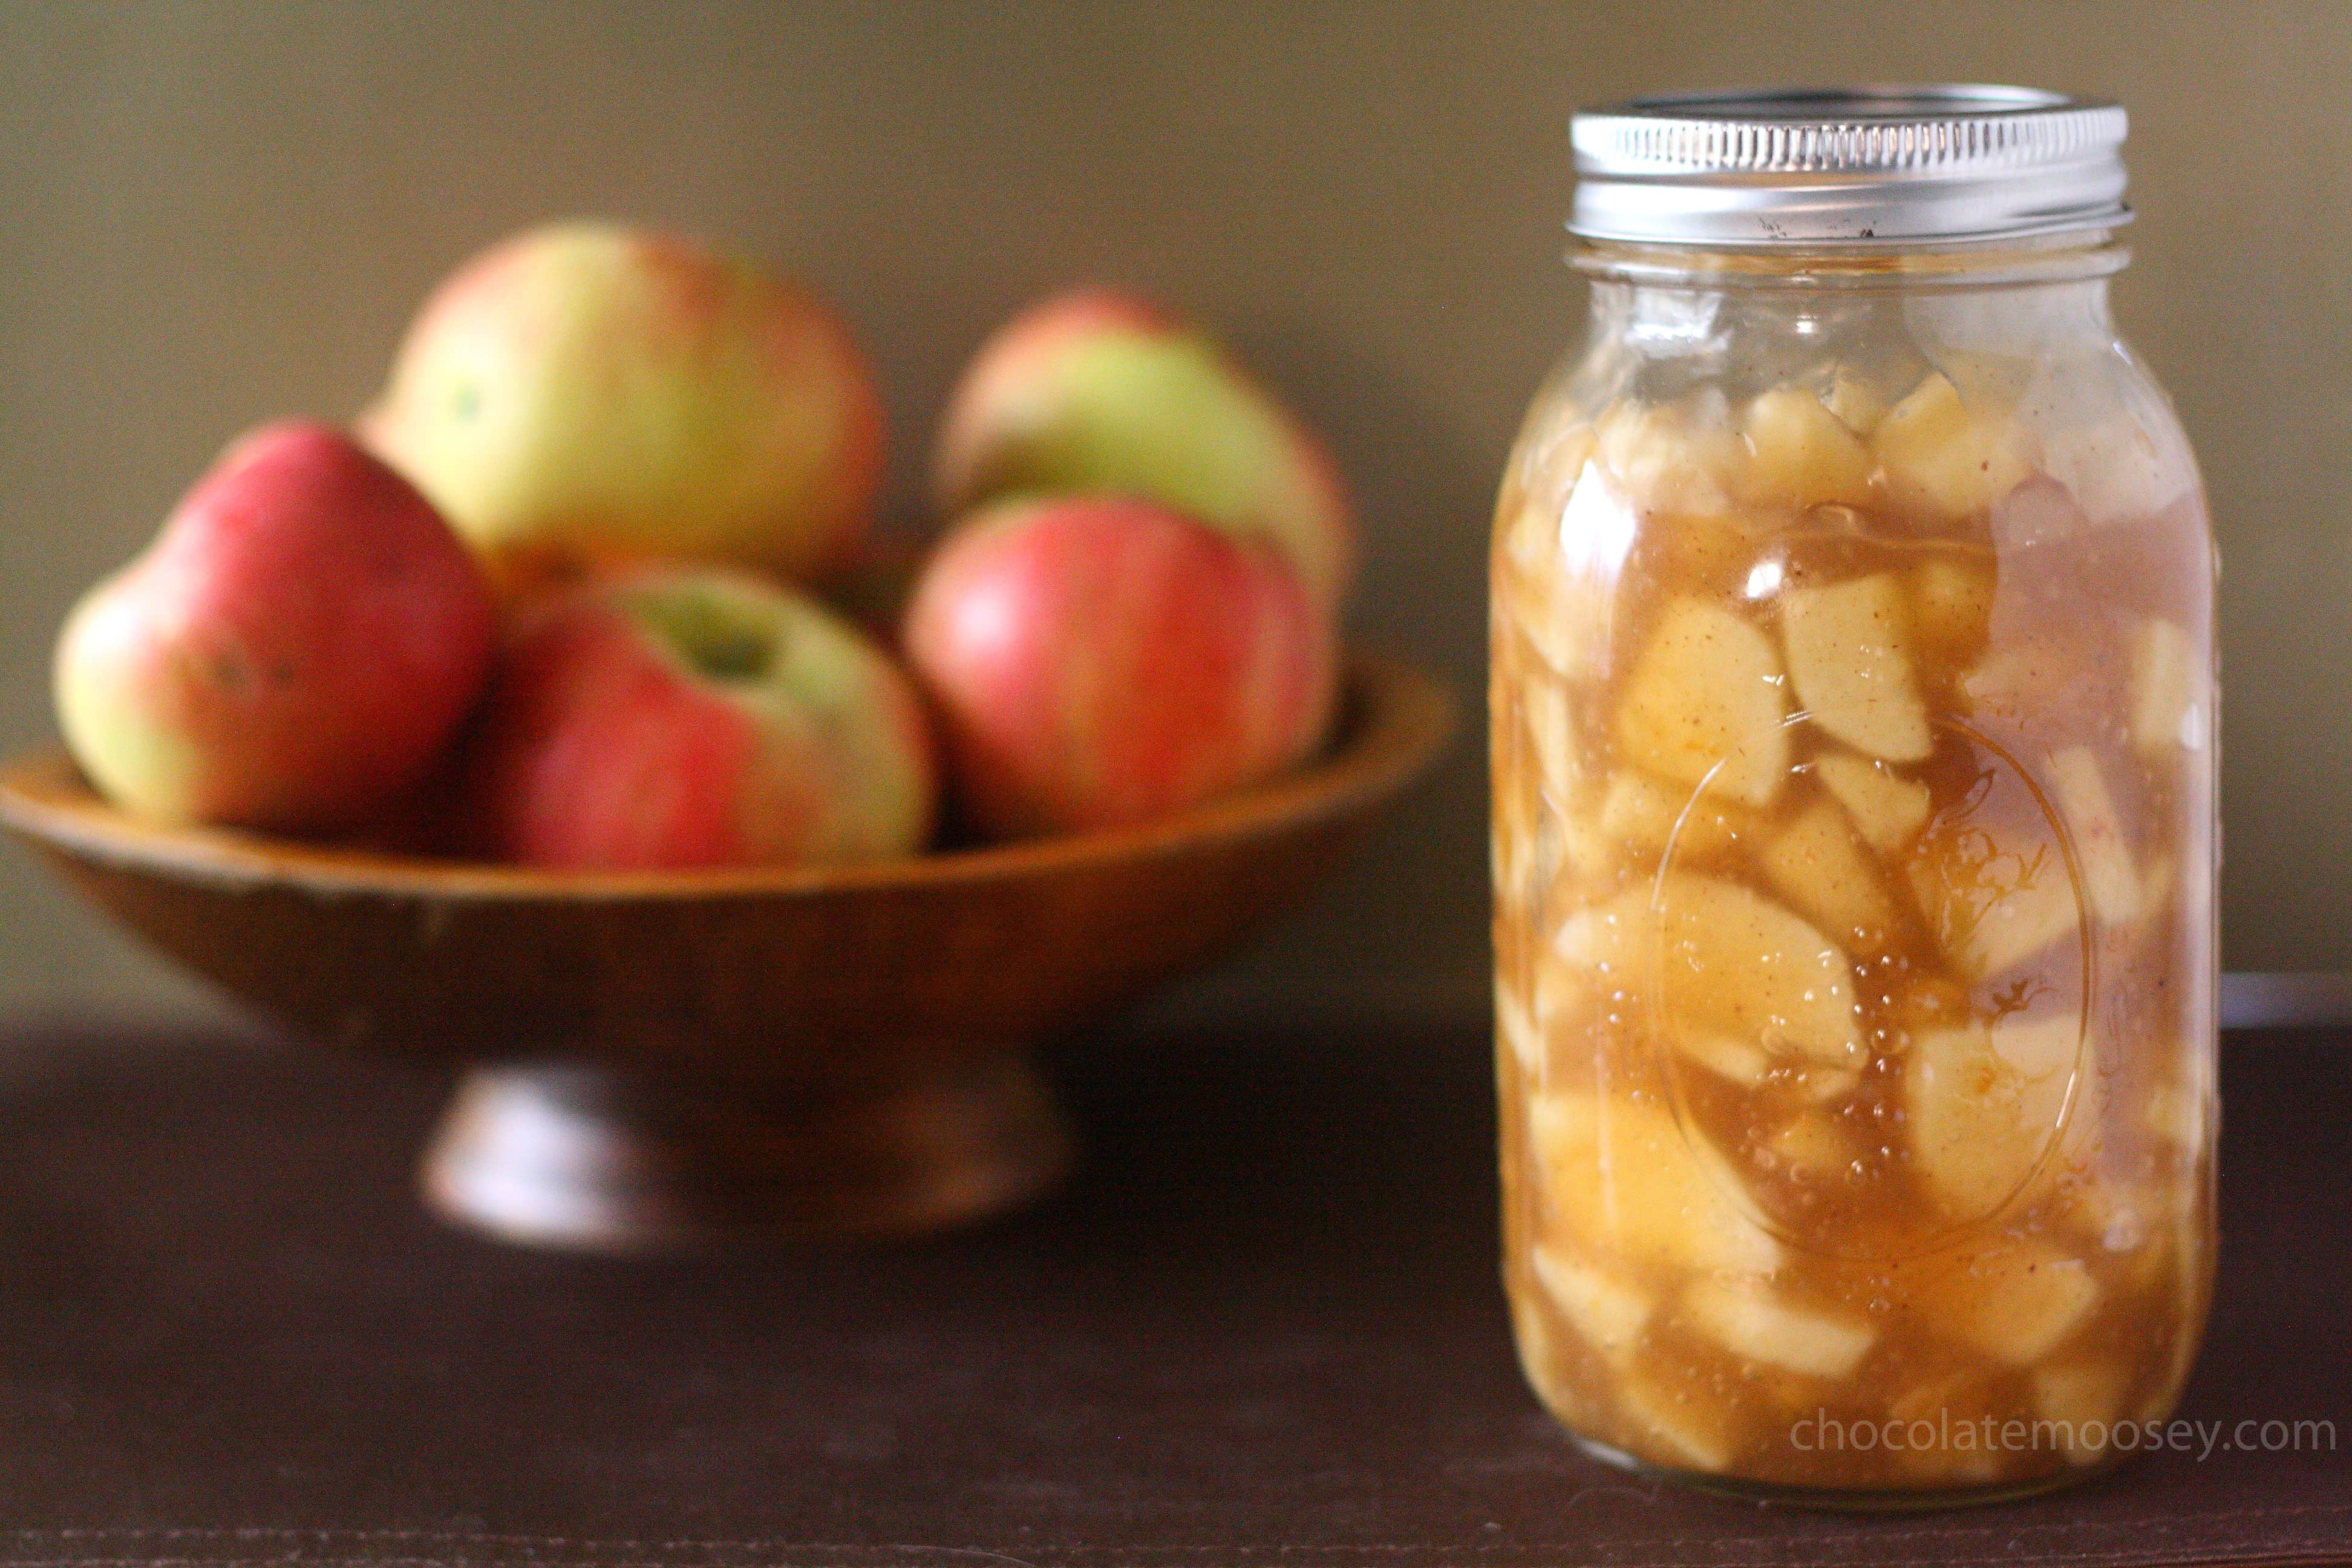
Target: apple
[1097, 391]
[291, 652]
[1097, 661]
[672, 718]
[584, 394]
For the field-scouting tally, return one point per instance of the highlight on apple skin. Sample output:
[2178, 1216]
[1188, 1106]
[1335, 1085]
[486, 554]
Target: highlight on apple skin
[1099, 392]
[1102, 660]
[585, 395]
[291, 652]
[670, 719]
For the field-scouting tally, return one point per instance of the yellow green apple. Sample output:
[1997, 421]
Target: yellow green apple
[1100, 392]
[586, 394]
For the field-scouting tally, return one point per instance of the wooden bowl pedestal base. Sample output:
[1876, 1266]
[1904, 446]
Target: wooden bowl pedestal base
[795, 1053]
[591, 1158]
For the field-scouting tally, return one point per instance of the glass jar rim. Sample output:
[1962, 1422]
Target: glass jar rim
[2069, 256]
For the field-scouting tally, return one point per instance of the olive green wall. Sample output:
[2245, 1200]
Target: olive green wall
[210, 214]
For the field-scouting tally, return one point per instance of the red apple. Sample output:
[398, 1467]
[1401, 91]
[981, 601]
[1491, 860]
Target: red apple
[1098, 660]
[292, 651]
[1097, 391]
[586, 394]
[677, 718]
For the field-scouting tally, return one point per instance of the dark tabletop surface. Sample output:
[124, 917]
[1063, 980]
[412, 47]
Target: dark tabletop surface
[1263, 1325]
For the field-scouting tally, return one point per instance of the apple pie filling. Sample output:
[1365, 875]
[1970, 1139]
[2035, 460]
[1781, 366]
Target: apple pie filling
[1853, 777]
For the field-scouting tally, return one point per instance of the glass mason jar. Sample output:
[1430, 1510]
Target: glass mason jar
[1854, 811]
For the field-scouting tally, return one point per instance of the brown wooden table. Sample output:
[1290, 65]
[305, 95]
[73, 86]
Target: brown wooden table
[1262, 1327]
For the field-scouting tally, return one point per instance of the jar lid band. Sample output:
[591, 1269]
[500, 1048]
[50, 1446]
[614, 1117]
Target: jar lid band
[1848, 166]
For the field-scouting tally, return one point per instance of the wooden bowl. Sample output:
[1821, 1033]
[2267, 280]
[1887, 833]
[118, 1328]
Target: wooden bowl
[657, 1059]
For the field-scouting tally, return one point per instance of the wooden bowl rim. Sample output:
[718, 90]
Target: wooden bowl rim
[1396, 719]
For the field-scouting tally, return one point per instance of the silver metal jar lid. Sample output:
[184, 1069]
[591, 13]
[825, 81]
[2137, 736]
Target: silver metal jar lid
[1848, 166]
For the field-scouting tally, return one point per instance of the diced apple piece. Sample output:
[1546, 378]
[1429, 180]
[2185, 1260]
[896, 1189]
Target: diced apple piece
[2117, 469]
[2081, 1400]
[1606, 939]
[2101, 847]
[1526, 855]
[1983, 1105]
[2015, 1305]
[1538, 1356]
[1801, 455]
[2156, 882]
[1551, 736]
[1993, 899]
[1848, 647]
[1606, 1312]
[2017, 923]
[1547, 460]
[1517, 1028]
[1751, 1322]
[2037, 512]
[1563, 1007]
[1696, 1432]
[2141, 1229]
[1727, 1056]
[1643, 816]
[2164, 681]
[1511, 846]
[1996, 378]
[1560, 555]
[1888, 808]
[1813, 1146]
[1590, 855]
[1954, 1406]
[1825, 1086]
[1712, 824]
[1625, 1182]
[1681, 457]
[1929, 1002]
[1858, 404]
[1540, 832]
[1734, 965]
[1742, 965]
[2042, 682]
[2179, 1113]
[1703, 704]
[1702, 555]
[1527, 528]
[2041, 1047]
[2109, 1209]
[1565, 622]
[1944, 458]
[1951, 604]
[1818, 864]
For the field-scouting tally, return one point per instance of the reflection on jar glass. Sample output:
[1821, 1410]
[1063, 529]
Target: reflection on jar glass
[1854, 744]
